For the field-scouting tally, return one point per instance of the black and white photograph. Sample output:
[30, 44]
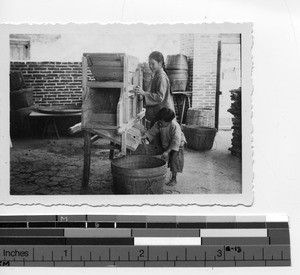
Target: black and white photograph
[130, 110]
[137, 134]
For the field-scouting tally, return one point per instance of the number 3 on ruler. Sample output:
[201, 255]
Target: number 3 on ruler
[219, 253]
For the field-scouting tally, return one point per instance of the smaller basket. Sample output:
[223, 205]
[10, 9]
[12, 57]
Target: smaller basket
[21, 99]
[199, 138]
[201, 116]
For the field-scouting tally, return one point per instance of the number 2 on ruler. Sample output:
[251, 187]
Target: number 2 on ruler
[141, 253]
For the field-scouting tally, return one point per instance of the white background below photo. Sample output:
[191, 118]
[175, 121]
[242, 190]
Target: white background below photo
[276, 135]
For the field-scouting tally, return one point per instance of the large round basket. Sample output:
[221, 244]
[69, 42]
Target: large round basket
[138, 175]
[199, 138]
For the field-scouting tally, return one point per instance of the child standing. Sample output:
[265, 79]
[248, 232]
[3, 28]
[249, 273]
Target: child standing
[172, 139]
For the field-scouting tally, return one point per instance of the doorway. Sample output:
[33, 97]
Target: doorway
[230, 78]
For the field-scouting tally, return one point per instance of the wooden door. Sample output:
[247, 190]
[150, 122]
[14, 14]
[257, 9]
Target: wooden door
[218, 92]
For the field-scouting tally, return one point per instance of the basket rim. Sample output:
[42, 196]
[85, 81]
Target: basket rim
[195, 126]
[115, 161]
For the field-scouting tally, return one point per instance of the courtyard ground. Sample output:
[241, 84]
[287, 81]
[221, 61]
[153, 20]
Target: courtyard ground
[54, 167]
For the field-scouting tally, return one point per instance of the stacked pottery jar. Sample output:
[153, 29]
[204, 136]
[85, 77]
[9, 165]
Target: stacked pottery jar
[177, 69]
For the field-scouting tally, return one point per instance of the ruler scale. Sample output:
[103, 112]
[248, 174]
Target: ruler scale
[144, 241]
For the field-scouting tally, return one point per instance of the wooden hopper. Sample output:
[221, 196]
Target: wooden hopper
[109, 107]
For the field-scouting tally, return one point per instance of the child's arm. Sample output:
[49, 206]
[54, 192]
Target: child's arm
[166, 153]
[150, 134]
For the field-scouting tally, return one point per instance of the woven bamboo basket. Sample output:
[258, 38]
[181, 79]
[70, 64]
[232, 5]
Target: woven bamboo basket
[199, 138]
[21, 99]
[148, 150]
[201, 116]
[138, 175]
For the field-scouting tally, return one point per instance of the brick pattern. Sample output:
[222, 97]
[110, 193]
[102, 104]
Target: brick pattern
[201, 50]
[54, 83]
[187, 48]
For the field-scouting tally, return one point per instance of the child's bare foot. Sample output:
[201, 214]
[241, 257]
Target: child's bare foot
[172, 182]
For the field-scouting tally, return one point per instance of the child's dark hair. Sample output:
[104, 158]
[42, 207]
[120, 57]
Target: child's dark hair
[158, 56]
[165, 114]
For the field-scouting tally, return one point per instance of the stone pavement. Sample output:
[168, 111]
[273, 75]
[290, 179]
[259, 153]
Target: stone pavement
[51, 167]
[55, 167]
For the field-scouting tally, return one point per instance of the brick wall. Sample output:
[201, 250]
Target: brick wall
[201, 50]
[54, 83]
[187, 48]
